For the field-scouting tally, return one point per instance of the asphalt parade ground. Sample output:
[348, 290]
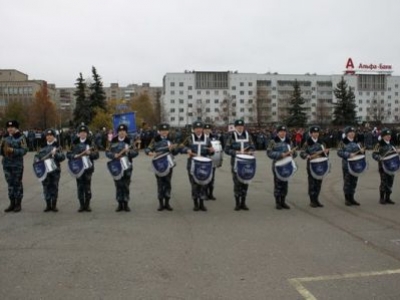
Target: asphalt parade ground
[334, 252]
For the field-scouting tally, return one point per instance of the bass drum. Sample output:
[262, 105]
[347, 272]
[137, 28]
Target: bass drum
[218, 154]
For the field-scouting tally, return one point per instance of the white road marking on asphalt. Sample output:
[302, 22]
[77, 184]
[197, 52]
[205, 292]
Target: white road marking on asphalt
[297, 282]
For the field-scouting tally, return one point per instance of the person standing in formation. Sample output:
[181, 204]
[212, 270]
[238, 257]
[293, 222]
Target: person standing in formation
[13, 148]
[349, 148]
[383, 149]
[197, 144]
[314, 148]
[210, 187]
[239, 141]
[161, 147]
[51, 150]
[83, 148]
[120, 150]
[278, 148]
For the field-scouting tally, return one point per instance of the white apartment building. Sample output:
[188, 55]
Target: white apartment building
[222, 97]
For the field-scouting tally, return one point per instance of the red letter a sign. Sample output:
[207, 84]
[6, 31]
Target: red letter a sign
[349, 64]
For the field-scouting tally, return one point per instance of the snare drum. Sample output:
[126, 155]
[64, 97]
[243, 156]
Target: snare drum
[357, 165]
[50, 165]
[245, 167]
[162, 164]
[391, 164]
[76, 167]
[285, 168]
[115, 168]
[201, 169]
[319, 167]
[218, 154]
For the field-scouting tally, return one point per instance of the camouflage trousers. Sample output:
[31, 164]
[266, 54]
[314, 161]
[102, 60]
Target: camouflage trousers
[13, 175]
[50, 185]
[314, 185]
[280, 187]
[349, 183]
[84, 184]
[164, 186]
[386, 182]
[198, 191]
[239, 188]
[122, 187]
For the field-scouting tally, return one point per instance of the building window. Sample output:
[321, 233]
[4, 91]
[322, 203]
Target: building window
[190, 105]
[180, 92]
[360, 101]
[172, 101]
[216, 101]
[273, 104]
[172, 110]
[172, 84]
[396, 93]
[241, 101]
[242, 110]
[225, 92]
[250, 84]
[234, 88]
[172, 119]
[211, 80]
[207, 109]
[389, 89]
[367, 82]
[207, 92]
[198, 92]
[190, 97]
[242, 84]
[172, 92]
[216, 109]
[250, 101]
[181, 110]
[241, 92]
[233, 96]
[360, 93]
[198, 101]
[274, 113]
[180, 101]
[190, 87]
[180, 83]
[250, 93]
[208, 101]
[216, 92]
[360, 109]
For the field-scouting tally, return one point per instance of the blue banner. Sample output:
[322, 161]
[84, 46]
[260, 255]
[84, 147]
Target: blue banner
[129, 119]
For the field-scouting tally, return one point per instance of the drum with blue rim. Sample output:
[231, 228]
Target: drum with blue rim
[319, 167]
[245, 167]
[201, 169]
[391, 164]
[357, 165]
[76, 167]
[115, 168]
[162, 164]
[285, 168]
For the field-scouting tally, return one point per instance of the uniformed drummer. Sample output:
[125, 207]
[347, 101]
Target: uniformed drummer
[239, 141]
[159, 146]
[83, 146]
[383, 149]
[51, 150]
[314, 148]
[349, 148]
[212, 137]
[279, 148]
[196, 144]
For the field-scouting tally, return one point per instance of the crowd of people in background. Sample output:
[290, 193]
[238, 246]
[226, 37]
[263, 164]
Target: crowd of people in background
[261, 136]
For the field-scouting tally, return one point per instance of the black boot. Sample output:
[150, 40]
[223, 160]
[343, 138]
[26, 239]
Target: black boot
[87, 205]
[160, 205]
[82, 205]
[382, 199]
[48, 206]
[196, 204]
[347, 198]
[319, 204]
[243, 205]
[313, 202]
[120, 207]
[237, 201]
[283, 203]
[10, 207]
[202, 207]
[388, 200]
[353, 201]
[18, 206]
[167, 206]
[278, 204]
[126, 206]
[54, 205]
[211, 194]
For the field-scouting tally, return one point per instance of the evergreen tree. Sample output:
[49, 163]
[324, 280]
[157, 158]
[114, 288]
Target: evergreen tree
[345, 108]
[297, 116]
[97, 94]
[82, 112]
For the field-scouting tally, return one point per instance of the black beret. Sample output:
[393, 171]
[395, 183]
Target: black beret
[12, 123]
[122, 127]
[83, 128]
[239, 123]
[50, 132]
[163, 126]
[385, 131]
[314, 129]
[281, 128]
[207, 126]
[197, 124]
[349, 129]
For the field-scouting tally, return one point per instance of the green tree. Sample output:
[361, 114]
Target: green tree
[345, 108]
[16, 111]
[297, 115]
[97, 94]
[144, 110]
[42, 112]
[82, 112]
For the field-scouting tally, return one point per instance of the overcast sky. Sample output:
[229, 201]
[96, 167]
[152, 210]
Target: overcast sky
[132, 41]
